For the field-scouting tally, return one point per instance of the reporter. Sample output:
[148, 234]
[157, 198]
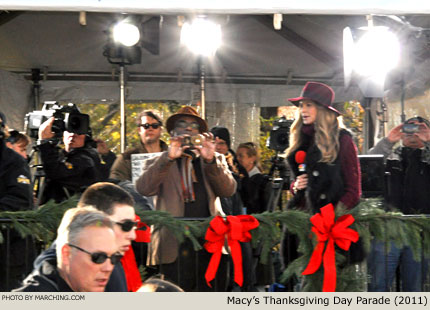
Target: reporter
[332, 170]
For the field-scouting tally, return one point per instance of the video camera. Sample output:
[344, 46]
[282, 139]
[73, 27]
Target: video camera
[67, 118]
[279, 135]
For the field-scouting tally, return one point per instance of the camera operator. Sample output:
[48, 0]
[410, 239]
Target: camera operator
[68, 171]
[408, 191]
[187, 179]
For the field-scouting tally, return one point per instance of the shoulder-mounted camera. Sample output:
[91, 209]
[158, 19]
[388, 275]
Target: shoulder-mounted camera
[67, 118]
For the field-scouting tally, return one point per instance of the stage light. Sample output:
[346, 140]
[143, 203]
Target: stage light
[201, 36]
[369, 52]
[126, 33]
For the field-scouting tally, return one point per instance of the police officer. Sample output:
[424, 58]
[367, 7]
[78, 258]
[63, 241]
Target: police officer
[68, 171]
[15, 195]
[15, 185]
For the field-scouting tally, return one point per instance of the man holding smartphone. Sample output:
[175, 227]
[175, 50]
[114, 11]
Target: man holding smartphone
[408, 184]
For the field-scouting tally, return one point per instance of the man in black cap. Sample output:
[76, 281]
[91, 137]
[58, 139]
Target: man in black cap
[16, 194]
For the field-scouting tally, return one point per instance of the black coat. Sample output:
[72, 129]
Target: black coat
[325, 182]
[44, 279]
[68, 173]
[409, 182]
[16, 191]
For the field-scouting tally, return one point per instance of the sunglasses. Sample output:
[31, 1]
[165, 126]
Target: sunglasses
[100, 257]
[127, 225]
[147, 125]
[184, 124]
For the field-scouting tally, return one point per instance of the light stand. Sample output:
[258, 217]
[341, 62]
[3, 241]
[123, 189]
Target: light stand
[202, 88]
[122, 107]
[127, 53]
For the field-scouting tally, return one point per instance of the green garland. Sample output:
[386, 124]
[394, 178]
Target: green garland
[370, 222]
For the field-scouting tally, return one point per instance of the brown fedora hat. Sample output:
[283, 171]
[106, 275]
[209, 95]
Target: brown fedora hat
[186, 111]
[319, 93]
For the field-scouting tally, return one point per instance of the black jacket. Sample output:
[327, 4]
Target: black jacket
[408, 182]
[68, 173]
[44, 279]
[16, 191]
[325, 182]
[255, 193]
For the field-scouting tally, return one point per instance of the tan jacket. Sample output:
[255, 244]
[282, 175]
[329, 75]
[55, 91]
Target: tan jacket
[161, 177]
[121, 168]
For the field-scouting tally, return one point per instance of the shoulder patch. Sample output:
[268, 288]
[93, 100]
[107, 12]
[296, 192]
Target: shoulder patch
[22, 179]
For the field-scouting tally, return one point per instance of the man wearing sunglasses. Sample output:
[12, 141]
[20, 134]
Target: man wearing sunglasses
[150, 126]
[188, 180]
[86, 255]
[117, 204]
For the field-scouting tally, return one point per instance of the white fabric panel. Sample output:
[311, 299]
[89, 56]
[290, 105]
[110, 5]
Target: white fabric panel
[15, 98]
[260, 95]
[226, 6]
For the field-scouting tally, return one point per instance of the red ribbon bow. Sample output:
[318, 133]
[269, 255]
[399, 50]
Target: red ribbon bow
[237, 230]
[143, 232]
[334, 232]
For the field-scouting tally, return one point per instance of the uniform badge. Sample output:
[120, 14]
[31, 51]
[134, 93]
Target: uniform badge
[68, 165]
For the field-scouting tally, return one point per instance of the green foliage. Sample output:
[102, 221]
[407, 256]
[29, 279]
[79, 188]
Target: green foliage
[371, 222]
[105, 120]
[265, 153]
[353, 117]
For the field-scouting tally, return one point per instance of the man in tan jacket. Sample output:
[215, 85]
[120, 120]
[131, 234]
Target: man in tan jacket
[187, 180]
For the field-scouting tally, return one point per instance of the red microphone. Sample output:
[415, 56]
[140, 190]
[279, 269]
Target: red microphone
[300, 160]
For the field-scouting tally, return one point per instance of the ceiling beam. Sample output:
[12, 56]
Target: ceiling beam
[299, 41]
[7, 16]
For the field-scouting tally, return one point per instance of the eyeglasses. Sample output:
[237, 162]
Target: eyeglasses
[184, 124]
[100, 257]
[127, 225]
[147, 125]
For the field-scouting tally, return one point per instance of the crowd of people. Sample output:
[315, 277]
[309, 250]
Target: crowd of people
[196, 175]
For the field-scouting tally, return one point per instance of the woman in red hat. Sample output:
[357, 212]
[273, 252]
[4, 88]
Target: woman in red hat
[322, 154]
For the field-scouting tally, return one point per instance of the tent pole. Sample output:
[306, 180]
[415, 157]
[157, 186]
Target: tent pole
[122, 106]
[202, 89]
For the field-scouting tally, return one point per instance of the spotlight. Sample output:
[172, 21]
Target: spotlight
[122, 46]
[126, 33]
[370, 53]
[201, 36]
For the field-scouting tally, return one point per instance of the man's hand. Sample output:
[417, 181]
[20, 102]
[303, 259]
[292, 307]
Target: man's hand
[424, 133]
[102, 148]
[176, 149]
[45, 130]
[207, 149]
[395, 134]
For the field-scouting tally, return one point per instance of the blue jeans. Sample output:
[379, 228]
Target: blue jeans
[382, 268]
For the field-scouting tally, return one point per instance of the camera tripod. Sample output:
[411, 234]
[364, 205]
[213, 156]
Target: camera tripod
[39, 176]
[279, 181]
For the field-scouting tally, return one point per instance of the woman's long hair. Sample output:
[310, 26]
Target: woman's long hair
[327, 130]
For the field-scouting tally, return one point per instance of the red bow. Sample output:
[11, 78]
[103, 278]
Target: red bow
[143, 232]
[334, 232]
[237, 230]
